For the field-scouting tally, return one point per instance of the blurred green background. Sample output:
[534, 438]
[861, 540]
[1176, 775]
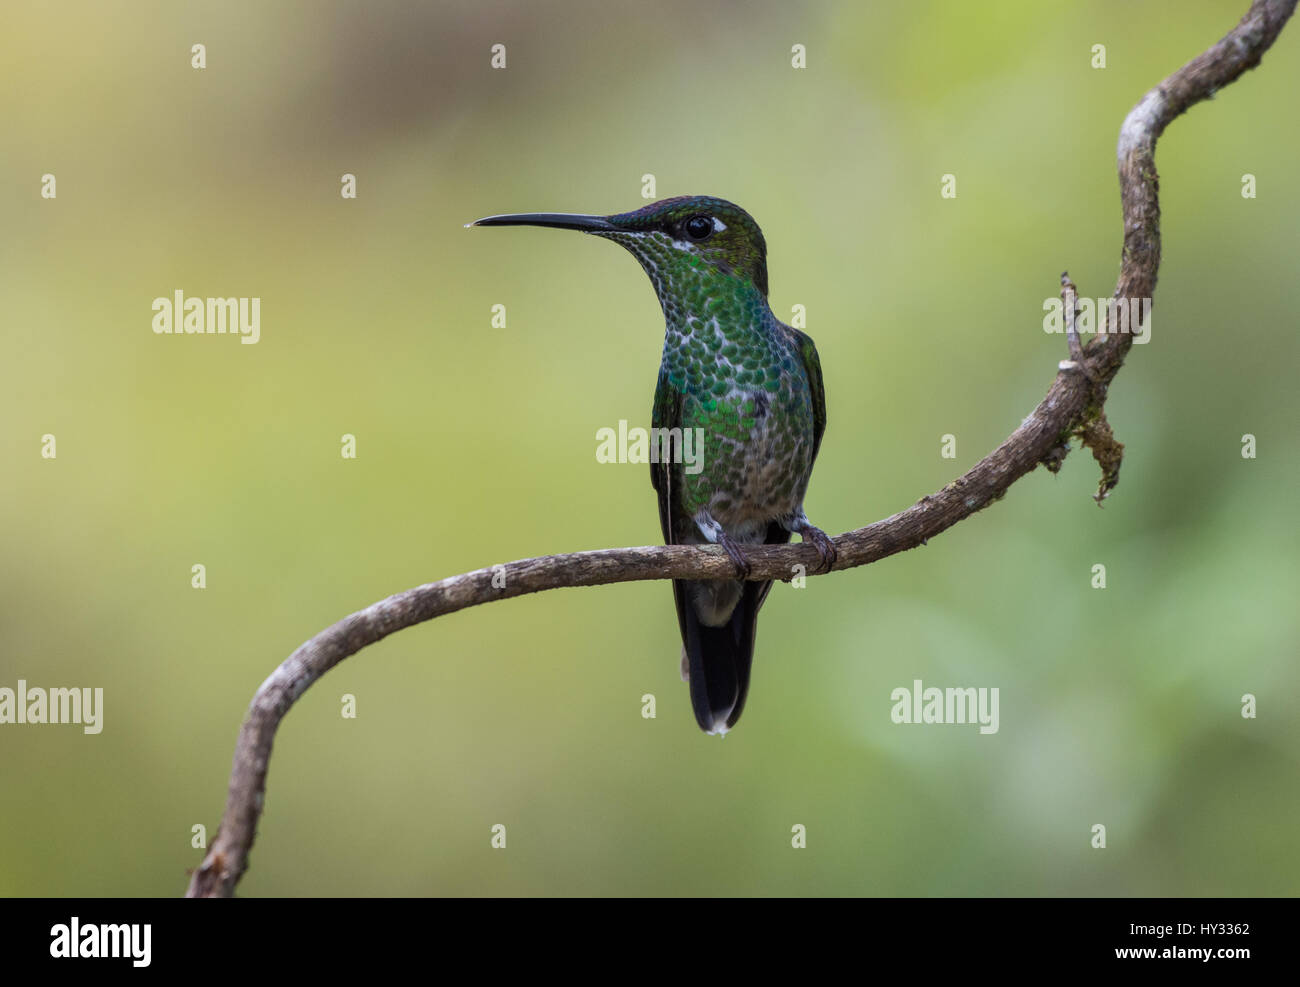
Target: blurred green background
[477, 445]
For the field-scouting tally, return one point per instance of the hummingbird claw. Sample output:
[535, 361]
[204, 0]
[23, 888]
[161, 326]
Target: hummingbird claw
[737, 554]
[738, 557]
[715, 533]
[825, 547]
[820, 540]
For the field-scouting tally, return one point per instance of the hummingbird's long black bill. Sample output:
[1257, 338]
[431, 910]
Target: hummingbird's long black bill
[556, 220]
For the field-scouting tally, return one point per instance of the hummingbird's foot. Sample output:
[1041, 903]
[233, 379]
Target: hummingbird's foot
[715, 533]
[737, 554]
[820, 540]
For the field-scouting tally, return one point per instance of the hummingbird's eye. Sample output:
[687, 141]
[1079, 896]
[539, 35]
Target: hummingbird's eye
[699, 227]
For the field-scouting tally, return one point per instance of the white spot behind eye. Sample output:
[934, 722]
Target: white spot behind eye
[718, 225]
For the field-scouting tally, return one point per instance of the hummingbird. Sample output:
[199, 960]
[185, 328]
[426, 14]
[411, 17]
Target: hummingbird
[752, 387]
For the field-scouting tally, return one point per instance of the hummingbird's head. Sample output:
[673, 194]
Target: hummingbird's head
[678, 241]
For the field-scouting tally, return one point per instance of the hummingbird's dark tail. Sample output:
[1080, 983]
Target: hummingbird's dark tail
[718, 659]
[718, 650]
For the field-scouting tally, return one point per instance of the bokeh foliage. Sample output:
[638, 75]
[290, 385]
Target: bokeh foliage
[1118, 706]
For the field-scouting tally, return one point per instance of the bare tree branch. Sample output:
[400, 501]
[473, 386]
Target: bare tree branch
[1073, 407]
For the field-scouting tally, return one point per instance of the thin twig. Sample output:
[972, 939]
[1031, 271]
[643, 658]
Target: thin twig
[1073, 405]
[1070, 303]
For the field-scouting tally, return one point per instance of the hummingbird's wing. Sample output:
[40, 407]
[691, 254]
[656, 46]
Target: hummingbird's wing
[812, 366]
[667, 413]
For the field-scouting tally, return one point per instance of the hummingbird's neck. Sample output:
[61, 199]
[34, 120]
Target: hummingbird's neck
[698, 297]
[719, 335]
